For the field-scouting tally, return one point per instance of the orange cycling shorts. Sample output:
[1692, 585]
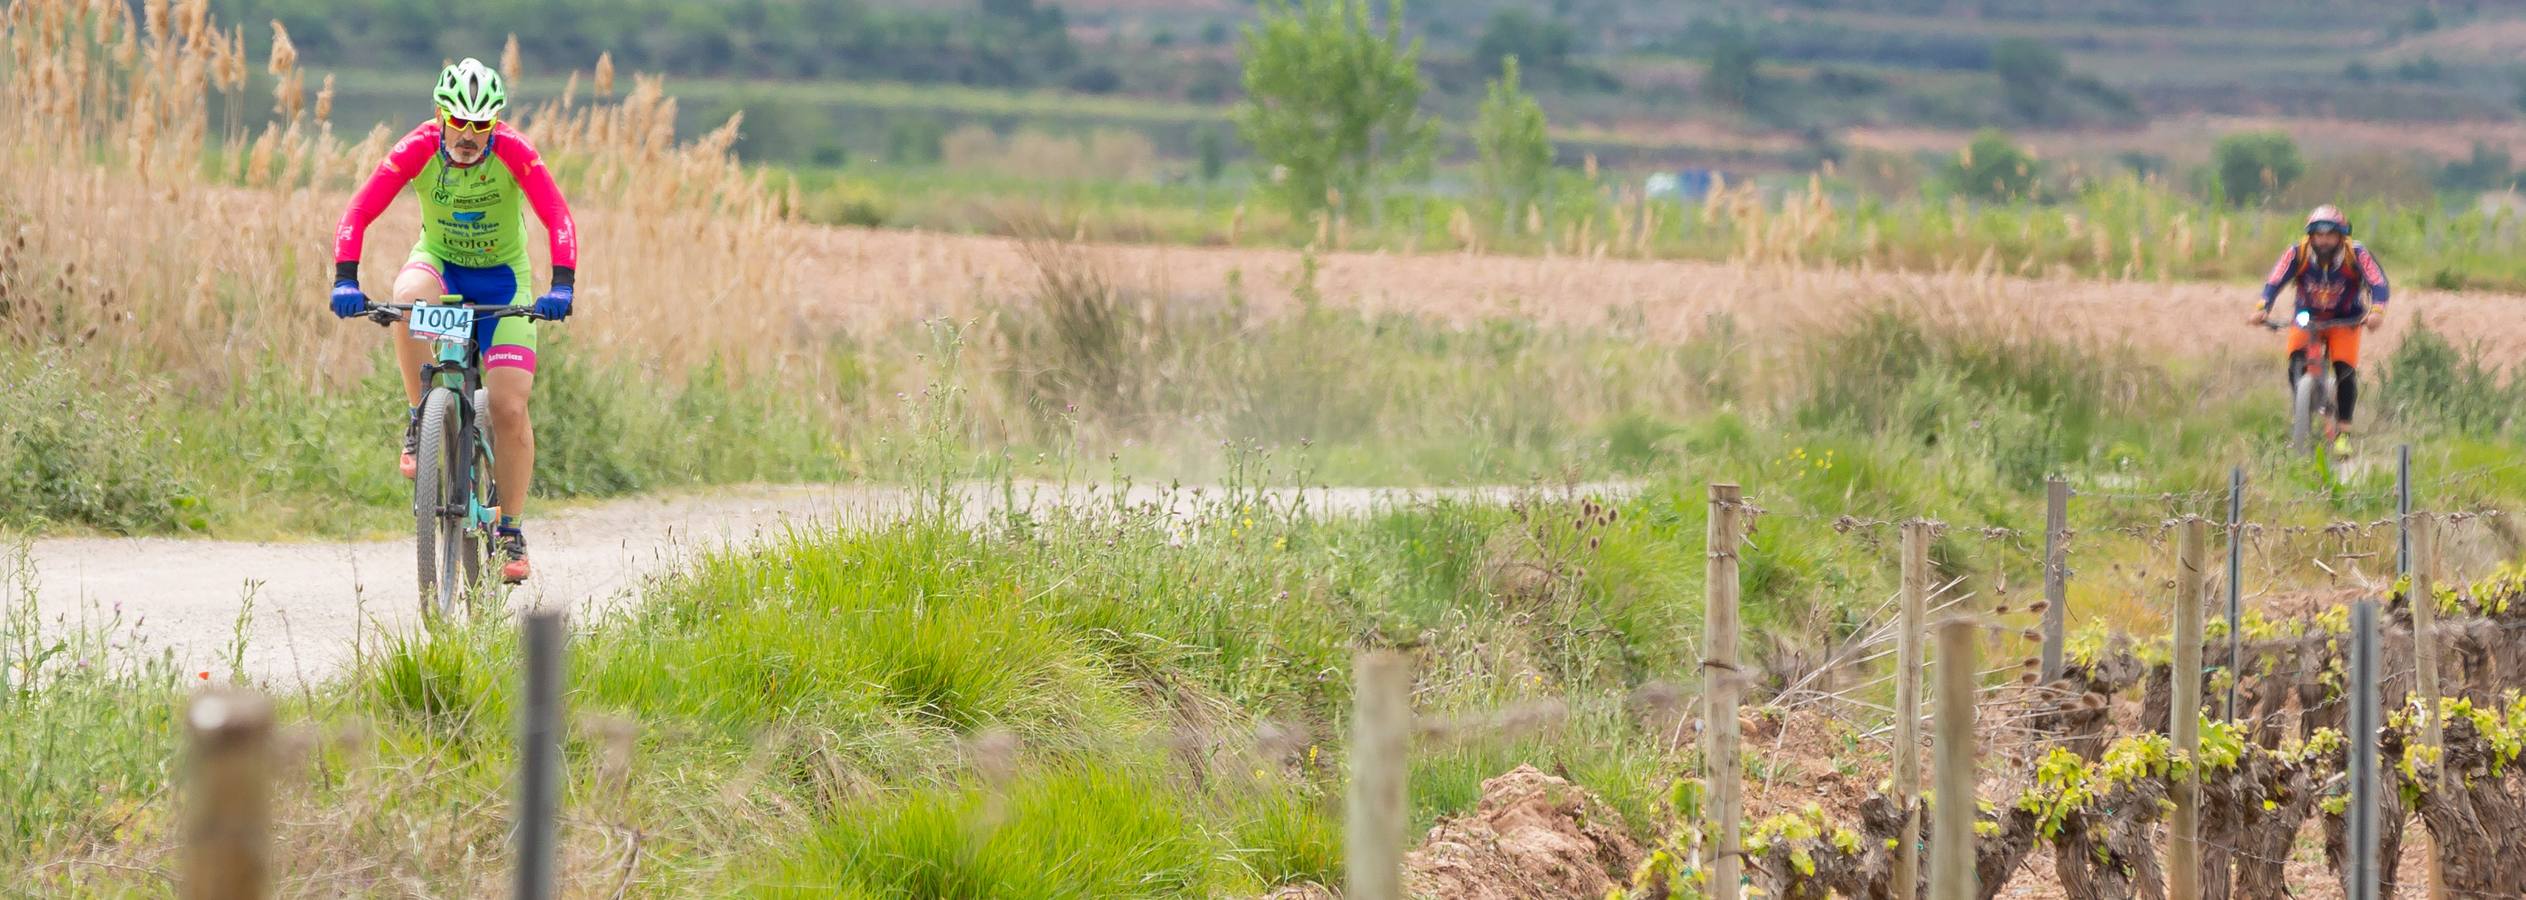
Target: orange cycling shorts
[2342, 343]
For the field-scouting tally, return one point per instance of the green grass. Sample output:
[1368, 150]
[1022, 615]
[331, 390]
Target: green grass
[1059, 704]
[268, 455]
[2100, 224]
[1067, 703]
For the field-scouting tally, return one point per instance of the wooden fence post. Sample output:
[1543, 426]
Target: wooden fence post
[2056, 572]
[2422, 594]
[539, 758]
[228, 827]
[2183, 843]
[1952, 841]
[1912, 630]
[1721, 681]
[1381, 733]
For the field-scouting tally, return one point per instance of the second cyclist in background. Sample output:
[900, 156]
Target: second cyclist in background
[2336, 279]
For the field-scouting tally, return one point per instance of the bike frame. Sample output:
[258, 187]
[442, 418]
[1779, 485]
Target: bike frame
[2317, 365]
[2319, 362]
[458, 369]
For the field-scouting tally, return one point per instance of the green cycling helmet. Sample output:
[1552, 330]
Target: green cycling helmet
[471, 90]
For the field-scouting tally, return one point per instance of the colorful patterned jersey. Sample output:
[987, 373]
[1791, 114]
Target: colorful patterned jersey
[2338, 287]
[472, 215]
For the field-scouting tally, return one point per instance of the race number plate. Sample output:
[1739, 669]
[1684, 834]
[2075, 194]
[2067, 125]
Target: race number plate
[442, 323]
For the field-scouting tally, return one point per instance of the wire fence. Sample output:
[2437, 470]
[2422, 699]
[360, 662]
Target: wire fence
[2019, 708]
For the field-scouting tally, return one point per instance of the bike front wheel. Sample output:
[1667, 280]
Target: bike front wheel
[2305, 419]
[438, 506]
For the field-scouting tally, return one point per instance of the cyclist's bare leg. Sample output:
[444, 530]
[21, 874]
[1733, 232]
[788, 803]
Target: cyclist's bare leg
[413, 285]
[512, 436]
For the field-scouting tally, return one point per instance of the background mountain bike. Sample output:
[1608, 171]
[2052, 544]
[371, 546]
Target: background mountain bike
[455, 498]
[2313, 391]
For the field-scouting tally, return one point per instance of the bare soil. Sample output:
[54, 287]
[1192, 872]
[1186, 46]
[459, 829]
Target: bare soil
[898, 276]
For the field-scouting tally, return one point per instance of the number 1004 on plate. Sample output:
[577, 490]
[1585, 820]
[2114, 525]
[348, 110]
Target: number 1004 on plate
[441, 323]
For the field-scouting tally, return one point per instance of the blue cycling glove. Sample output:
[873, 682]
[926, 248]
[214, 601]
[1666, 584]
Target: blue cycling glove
[347, 299]
[555, 304]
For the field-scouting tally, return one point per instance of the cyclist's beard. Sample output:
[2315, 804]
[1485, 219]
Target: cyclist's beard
[465, 150]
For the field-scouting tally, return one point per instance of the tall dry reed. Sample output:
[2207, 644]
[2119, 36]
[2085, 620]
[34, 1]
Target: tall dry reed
[163, 249]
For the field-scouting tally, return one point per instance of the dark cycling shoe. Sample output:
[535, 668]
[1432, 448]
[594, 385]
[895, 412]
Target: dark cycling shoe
[412, 446]
[512, 545]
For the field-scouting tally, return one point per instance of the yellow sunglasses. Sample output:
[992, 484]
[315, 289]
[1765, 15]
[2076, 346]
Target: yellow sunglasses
[479, 127]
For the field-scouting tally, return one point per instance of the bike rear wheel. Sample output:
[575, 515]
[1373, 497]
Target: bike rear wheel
[446, 566]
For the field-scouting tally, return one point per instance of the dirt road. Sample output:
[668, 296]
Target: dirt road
[311, 603]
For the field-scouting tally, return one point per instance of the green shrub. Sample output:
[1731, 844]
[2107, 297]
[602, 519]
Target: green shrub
[2257, 165]
[2432, 383]
[75, 454]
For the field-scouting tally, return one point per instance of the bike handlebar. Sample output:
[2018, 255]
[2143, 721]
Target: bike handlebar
[390, 313]
[2312, 325]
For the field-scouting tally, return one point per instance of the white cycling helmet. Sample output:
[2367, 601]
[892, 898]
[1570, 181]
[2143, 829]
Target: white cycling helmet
[471, 90]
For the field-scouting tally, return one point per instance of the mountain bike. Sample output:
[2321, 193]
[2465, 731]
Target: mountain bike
[455, 498]
[2311, 400]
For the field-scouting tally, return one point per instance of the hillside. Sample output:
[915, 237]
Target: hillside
[1615, 74]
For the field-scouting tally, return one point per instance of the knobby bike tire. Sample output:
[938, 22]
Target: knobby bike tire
[435, 535]
[2302, 413]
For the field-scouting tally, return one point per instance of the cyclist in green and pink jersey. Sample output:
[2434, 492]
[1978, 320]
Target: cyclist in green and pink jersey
[474, 177]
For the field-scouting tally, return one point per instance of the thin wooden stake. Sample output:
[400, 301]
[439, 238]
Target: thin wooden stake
[1910, 632]
[1381, 732]
[2422, 594]
[1952, 839]
[2403, 510]
[2056, 572]
[2236, 588]
[2183, 843]
[1721, 681]
[228, 827]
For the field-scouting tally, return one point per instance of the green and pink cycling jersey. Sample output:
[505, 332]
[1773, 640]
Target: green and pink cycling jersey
[473, 227]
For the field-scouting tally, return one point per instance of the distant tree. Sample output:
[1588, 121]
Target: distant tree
[1096, 79]
[1216, 34]
[1514, 145]
[2029, 72]
[2255, 166]
[1333, 102]
[1212, 82]
[2424, 68]
[1732, 77]
[1542, 46]
[2141, 163]
[1026, 14]
[2358, 71]
[1210, 148]
[1994, 167]
[2490, 167]
[919, 140]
